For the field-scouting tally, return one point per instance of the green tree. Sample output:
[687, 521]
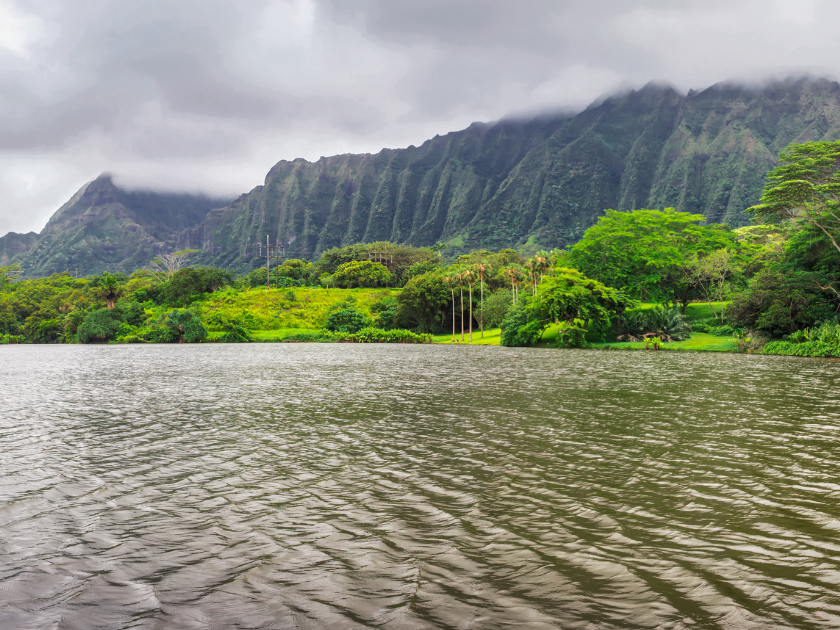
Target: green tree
[495, 307]
[647, 252]
[110, 289]
[422, 303]
[186, 324]
[100, 325]
[805, 187]
[362, 273]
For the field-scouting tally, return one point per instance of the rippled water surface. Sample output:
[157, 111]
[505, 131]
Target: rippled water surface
[344, 486]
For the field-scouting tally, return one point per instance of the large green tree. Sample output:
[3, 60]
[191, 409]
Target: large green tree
[805, 187]
[362, 273]
[648, 252]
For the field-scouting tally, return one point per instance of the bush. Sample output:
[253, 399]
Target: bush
[347, 320]
[807, 349]
[100, 325]
[779, 302]
[518, 329]
[667, 323]
[571, 336]
[377, 335]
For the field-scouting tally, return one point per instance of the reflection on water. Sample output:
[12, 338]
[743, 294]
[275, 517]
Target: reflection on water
[342, 486]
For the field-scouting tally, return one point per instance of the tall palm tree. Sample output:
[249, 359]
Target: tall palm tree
[542, 262]
[482, 269]
[459, 280]
[450, 281]
[513, 274]
[533, 271]
[469, 278]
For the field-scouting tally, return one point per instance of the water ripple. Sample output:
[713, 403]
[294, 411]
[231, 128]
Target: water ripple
[336, 486]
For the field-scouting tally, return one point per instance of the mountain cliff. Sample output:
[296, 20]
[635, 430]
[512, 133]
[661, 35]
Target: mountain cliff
[103, 227]
[525, 183]
[538, 182]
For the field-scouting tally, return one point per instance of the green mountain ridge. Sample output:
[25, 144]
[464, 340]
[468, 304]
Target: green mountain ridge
[523, 183]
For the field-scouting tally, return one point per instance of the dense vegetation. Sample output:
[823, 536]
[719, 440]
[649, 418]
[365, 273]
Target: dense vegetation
[770, 287]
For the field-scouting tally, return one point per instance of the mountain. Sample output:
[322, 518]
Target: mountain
[103, 227]
[537, 182]
[526, 183]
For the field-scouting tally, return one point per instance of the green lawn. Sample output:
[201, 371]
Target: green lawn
[492, 337]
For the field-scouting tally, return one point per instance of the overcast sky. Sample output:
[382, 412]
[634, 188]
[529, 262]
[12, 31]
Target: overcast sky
[206, 95]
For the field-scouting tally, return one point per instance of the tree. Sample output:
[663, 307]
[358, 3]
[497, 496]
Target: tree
[362, 273]
[191, 281]
[110, 289]
[711, 274]
[450, 282]
[495, 307]
[459, 280]
[568, 297]
[165, 266]
[805, 187]
[514, 272]
[99, 325]
[186, 324]
[647, 252]
[422, 303]
[8, 275]
[469, 277]
[482, 269]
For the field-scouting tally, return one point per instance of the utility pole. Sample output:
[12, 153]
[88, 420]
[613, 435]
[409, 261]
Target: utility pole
[267, 263]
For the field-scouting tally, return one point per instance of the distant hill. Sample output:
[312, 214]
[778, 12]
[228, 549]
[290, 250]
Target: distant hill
[525, 183]
[104, 227]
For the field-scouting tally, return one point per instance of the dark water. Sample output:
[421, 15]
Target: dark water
[341, 486]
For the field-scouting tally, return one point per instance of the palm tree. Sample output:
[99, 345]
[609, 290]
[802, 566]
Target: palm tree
[482, 269]
[533, 270]
[513, 273]
[459, 280]
[469, 278]
[542, 262]
[110, 289]
[450, 281]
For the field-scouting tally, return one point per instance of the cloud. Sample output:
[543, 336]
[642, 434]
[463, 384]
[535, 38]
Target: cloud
[208, 95]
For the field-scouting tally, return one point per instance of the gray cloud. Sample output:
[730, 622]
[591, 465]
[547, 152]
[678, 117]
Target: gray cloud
[208, 94]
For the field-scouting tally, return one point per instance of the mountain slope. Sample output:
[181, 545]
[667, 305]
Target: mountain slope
[538, 182]
[104, 227]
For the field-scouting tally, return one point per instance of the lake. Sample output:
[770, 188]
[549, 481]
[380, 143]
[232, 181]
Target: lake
[410, 487]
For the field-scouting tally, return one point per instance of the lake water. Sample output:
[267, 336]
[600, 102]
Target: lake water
[408, 487]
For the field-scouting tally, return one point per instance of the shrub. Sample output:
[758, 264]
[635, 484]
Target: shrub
[571, 336]
[100, 325]
[347, 320]
[518, 329]
[377, 335]
[667, 323]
